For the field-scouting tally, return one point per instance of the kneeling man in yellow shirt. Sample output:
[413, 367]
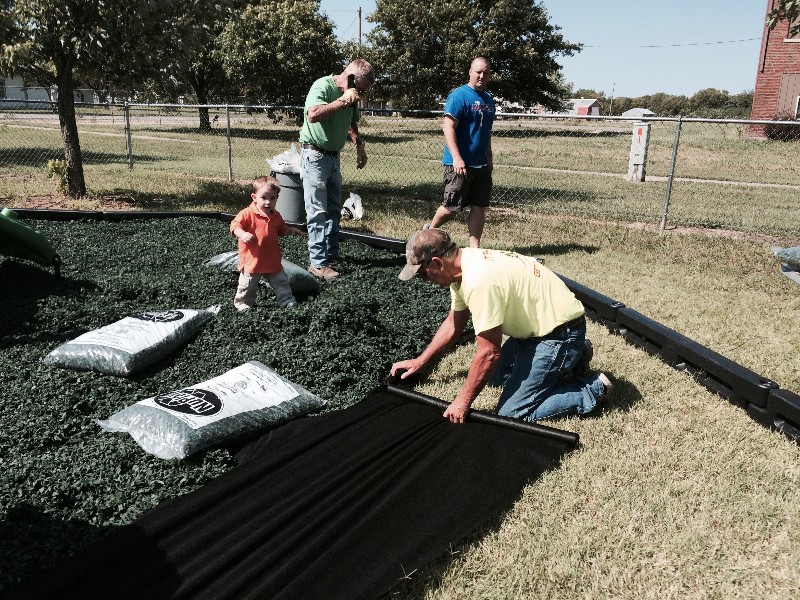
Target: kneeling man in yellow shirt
[509, 294]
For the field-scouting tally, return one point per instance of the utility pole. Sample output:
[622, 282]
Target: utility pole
[359, 30]
[611, 106]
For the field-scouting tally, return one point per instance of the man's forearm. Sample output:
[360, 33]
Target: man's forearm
[323, 112]
[441, 342]
[450, 139]
[483, 365]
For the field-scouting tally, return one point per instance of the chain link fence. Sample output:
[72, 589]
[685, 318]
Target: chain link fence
[740, 175]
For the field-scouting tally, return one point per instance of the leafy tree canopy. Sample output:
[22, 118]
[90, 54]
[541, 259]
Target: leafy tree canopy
[788, 10]
[61, 42]
[422, 49]
[275, 50]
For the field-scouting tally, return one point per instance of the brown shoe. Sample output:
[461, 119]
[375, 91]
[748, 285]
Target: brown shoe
[325, 273]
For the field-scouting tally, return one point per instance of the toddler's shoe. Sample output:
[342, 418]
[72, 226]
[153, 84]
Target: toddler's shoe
[291, 305]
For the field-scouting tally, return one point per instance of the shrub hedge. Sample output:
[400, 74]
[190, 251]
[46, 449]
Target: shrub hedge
[64, 482]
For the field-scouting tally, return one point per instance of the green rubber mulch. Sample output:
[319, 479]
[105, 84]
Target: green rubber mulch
[63, 481]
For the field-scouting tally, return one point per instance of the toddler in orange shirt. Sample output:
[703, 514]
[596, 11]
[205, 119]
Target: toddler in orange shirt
[258, 228]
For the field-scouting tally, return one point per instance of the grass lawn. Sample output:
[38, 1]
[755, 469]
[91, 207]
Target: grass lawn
[673, 493]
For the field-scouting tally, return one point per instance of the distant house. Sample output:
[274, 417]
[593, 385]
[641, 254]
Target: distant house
[638, 113]
[777, 90]
[575, 106]
[15, 92]
[15, 88]
[507, 106]
[585, 106]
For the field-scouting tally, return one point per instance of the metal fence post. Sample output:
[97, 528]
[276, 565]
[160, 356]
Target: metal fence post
[230, 156]
[671, 174]
[128, 138]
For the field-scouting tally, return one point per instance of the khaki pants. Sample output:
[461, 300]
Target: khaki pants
[247, 290]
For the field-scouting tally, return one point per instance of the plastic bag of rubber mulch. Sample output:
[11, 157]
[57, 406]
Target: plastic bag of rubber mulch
[133, 343]
[301, 281]
[790, 261]
[233, 406]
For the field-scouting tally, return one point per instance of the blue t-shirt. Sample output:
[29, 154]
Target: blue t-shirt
[474, 112]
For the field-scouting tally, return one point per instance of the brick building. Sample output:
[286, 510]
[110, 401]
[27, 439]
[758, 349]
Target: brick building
[777, 91]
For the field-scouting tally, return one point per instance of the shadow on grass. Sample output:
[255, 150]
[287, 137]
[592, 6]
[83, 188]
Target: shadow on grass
[266, 134]
[230, 196]
[622, 399]
[553, 249]
[566, 131]
[38, 156]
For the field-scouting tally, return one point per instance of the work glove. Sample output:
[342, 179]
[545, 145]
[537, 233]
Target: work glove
[361, 161]
[350, 97]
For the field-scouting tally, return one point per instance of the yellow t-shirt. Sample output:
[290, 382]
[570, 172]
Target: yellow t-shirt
[512, 290]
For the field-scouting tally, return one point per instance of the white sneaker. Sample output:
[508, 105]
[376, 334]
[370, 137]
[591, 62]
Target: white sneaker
[607, 385]
[426, 226]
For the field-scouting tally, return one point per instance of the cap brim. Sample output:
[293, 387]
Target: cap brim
[408, 272]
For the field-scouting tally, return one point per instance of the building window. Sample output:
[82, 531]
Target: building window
[788, 92]
[797, 109]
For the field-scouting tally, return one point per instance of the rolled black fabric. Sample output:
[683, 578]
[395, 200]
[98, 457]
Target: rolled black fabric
[568, 437]
[342, 505]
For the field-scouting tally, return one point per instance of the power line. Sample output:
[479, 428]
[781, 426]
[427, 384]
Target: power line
[679, 45]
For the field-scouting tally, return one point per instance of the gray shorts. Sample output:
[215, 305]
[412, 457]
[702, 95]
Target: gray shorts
[473, 190]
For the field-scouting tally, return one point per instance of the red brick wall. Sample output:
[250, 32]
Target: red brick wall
[777, 57]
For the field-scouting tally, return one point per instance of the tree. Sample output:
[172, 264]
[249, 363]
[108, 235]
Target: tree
[196, 67]
[788, 10]
[60, 42]
[276, 49]
[423, 49]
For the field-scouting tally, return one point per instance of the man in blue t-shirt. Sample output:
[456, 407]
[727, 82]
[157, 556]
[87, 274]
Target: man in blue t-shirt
[467, 160]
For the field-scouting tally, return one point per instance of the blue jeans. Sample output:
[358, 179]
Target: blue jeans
[530, 373]
[322, 194]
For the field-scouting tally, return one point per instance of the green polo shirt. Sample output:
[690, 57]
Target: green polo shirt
[330, 134]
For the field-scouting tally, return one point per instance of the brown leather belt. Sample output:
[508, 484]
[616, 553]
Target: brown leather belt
[318, 149]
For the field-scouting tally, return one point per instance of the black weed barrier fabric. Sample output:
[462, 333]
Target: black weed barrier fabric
[64, 483]
[336, 507]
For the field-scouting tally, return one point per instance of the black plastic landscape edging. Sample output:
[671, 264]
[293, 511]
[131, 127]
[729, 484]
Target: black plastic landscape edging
[761, 397]
[48, 214]
[721, 375]
[598, 307]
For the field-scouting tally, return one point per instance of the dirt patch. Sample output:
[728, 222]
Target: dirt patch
[58, 202]
[669, 229]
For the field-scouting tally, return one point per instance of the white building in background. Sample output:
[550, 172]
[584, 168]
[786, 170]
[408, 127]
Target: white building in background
[575, 107]
[638, 113]
[15, 93]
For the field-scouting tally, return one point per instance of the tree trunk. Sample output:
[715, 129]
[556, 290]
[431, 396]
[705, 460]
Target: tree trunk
[198, 83]
[69, 129]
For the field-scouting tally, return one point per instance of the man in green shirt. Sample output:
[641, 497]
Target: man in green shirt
[330, 118]
[509, 294]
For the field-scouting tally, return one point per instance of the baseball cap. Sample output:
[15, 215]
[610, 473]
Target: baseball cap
[424, 245]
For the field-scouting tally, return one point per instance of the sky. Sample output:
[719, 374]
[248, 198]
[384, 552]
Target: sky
[633, 48]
